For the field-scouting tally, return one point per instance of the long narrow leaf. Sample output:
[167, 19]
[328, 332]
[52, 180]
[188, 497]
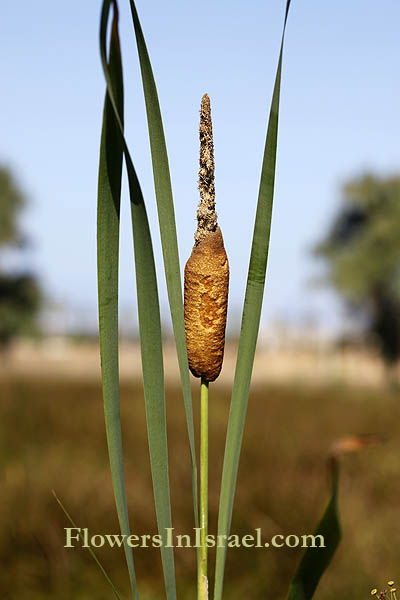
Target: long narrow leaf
[91, 552]
[249, 328]
[150, 340]
[166, 217]
[153, 375]
[108, 218]
[316, 560]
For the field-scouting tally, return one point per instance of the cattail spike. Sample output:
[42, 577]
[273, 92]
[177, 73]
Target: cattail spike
[206, 216]
[206, 271]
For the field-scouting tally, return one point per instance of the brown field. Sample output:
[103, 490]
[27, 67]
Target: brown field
[52, 437]
[317, 364]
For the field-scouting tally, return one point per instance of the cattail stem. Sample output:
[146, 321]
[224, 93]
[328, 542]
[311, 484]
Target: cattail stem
[202, 582]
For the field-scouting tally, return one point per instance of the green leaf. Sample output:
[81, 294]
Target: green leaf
[316, 560]
[150, 337]
[249, 328]
[91, 552]
[166, 217]
[153, 375]
[108, 218]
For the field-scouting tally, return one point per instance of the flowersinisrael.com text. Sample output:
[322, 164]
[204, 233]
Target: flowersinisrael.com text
[75, 536]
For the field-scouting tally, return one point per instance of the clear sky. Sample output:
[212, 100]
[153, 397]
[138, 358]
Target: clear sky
[339, 116]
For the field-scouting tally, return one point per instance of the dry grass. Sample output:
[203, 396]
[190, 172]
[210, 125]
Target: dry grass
[53, 437]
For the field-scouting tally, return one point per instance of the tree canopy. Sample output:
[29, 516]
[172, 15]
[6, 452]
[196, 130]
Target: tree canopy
[19, 291]
[362, 255]
[12, 202]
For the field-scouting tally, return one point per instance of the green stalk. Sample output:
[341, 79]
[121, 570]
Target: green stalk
[202, 582]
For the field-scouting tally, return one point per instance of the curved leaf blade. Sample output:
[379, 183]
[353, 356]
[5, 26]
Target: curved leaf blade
[150, 336]
[108, 220]
[315, 560]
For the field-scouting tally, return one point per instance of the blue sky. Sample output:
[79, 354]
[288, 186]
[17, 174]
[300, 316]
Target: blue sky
[339, 116]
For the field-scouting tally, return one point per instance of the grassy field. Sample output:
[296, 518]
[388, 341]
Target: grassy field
[52, 437]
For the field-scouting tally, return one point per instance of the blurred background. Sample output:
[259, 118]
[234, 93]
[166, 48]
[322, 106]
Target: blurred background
[329, 347]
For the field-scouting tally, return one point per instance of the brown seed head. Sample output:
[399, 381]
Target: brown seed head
[207, 270]
[205, 306]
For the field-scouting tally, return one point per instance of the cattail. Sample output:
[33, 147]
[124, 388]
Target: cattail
[207, 270]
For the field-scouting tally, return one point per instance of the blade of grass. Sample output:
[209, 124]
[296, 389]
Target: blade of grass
[316, 560]
[91, 552]
[153, 375]
[166, 217]
[108, 219]
[150, 339]
[249, 328]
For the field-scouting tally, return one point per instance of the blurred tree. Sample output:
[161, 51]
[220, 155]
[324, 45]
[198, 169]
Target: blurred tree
[12, 201]
[19, 292]
[362, 254]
